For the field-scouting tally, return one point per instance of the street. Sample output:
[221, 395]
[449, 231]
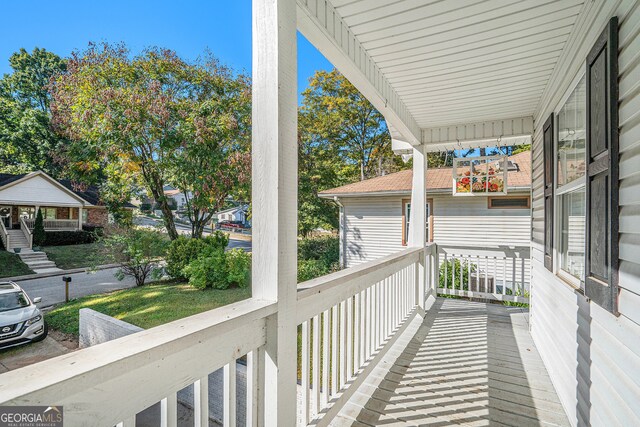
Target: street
[51, 289]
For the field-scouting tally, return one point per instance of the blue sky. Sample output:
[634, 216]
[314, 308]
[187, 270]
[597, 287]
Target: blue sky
[186, 26]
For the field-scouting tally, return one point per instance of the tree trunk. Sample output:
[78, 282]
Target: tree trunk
[167, 217]
[483, 152]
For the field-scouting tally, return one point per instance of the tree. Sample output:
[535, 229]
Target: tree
[27, 142]
[217, 139]
[344, 117]
[39, 235]
[153, 119]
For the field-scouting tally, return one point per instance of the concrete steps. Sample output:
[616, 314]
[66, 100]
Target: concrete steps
[37, 261]
[17, 240]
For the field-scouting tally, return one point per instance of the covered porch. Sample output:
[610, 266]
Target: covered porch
[376, 343]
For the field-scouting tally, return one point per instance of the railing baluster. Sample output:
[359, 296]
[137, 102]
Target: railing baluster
[201, 401]
[252, 384]
[315, 337]
[357, 333]
[343, 344]
[446, 266]
[169, 411]
[325, 358]
[349, 372]
[334, 350]
[229, 395]
[304, 371]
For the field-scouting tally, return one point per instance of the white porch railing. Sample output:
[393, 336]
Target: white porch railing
[28, 234]
[499, 273]
[54, 224]
[349, 319]
[4, 235]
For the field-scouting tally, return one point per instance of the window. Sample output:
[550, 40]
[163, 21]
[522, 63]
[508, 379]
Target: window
[570, 184]
[479, 175]
[523, 202]
[49, 213]
[27, 212]
[406, 215]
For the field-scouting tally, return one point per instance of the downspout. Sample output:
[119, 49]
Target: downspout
[342, 232]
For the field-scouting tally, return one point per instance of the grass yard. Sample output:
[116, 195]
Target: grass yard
[11, 265]
[146, 306]
[74, 256]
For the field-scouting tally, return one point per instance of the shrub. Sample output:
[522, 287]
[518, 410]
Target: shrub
[209, 270]
[136, 251]
[145, 207]
[324, 248]
[456, 265]
[183, 250]
[310, 269]
[63, 238]
[39, 235]
[97, 230]
[238, 263]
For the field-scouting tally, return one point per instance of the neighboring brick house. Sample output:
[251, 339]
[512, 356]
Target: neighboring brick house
[63, 205]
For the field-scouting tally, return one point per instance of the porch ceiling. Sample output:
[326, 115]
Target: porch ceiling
[453, 62]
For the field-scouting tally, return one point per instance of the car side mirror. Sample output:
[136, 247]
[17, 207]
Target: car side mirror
[37, 300]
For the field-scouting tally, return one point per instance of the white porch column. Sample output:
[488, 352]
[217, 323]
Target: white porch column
[274, 193]
[79, 218]
[418, 217]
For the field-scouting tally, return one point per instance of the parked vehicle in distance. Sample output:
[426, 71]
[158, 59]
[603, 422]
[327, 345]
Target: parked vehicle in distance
[21, 321]
[232, 224]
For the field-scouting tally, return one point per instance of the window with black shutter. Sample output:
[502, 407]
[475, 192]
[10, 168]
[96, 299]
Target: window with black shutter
[601, 243]
[548, 192]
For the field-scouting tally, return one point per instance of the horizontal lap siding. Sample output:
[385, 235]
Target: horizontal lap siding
[597, 383]
[467, 221]
[374, 228]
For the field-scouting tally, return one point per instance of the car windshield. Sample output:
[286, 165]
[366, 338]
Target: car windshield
[13, 300]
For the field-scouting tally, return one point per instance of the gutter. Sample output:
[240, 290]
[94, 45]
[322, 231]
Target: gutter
[334, 196]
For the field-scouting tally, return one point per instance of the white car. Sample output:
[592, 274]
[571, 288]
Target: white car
[20, 320]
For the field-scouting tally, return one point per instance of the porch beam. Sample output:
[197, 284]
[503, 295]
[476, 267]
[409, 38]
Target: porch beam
[274, 193]
[323, 26]
[513, 131]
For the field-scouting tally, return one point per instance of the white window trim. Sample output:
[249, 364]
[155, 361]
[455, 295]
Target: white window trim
[560, 191]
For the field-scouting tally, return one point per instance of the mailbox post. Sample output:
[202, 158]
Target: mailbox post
[66, 280]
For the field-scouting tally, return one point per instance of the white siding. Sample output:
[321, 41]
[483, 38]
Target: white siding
[468, 221]
[592, 356]
[374, 225]
[37, 190]
[373, 228]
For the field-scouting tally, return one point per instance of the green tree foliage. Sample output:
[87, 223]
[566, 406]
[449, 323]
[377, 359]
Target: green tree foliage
[153, 119]
[39, 235]
[27, 142]
[341, 138]
[136, 251]
[217, 269]
[317, 256]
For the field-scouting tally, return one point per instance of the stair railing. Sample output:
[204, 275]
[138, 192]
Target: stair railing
[4, 235]
[28, 234]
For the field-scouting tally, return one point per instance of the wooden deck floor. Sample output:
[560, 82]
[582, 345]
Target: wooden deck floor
[468, 363]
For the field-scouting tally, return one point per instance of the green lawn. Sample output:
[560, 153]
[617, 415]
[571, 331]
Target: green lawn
[11, 265]
[74, 256]
[146, 306]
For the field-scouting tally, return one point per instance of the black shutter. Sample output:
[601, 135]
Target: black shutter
[601, 251]
[547, 132]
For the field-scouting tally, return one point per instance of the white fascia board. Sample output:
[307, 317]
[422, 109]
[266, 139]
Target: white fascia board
[445, 191]
[323, 26]
[505, 132]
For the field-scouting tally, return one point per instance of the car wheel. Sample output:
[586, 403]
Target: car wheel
[43, 335]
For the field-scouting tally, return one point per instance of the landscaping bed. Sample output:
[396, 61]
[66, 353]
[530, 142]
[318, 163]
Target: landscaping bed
[11, 265]
[145, 306]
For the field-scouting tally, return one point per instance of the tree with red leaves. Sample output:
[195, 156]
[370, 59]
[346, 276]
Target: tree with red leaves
[155, 119]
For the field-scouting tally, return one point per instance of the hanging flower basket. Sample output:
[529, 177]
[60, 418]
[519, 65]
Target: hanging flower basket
[480, 176]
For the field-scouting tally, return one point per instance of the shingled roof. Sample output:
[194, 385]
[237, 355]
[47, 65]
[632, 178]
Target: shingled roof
[438, 179]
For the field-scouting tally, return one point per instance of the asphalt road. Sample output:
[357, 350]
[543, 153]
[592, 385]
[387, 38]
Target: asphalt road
[185, 229]
[51, 289]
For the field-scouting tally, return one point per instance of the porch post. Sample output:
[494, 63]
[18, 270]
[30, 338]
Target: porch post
[418, 217]
[274, 193]
[79, 218]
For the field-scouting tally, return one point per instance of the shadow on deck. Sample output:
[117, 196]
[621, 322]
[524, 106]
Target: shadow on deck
[468, 363]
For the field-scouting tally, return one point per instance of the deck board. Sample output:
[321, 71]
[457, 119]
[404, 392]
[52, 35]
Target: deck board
[468, 363]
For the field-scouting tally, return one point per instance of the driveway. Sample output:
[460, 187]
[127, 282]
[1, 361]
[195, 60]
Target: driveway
[51, 289]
